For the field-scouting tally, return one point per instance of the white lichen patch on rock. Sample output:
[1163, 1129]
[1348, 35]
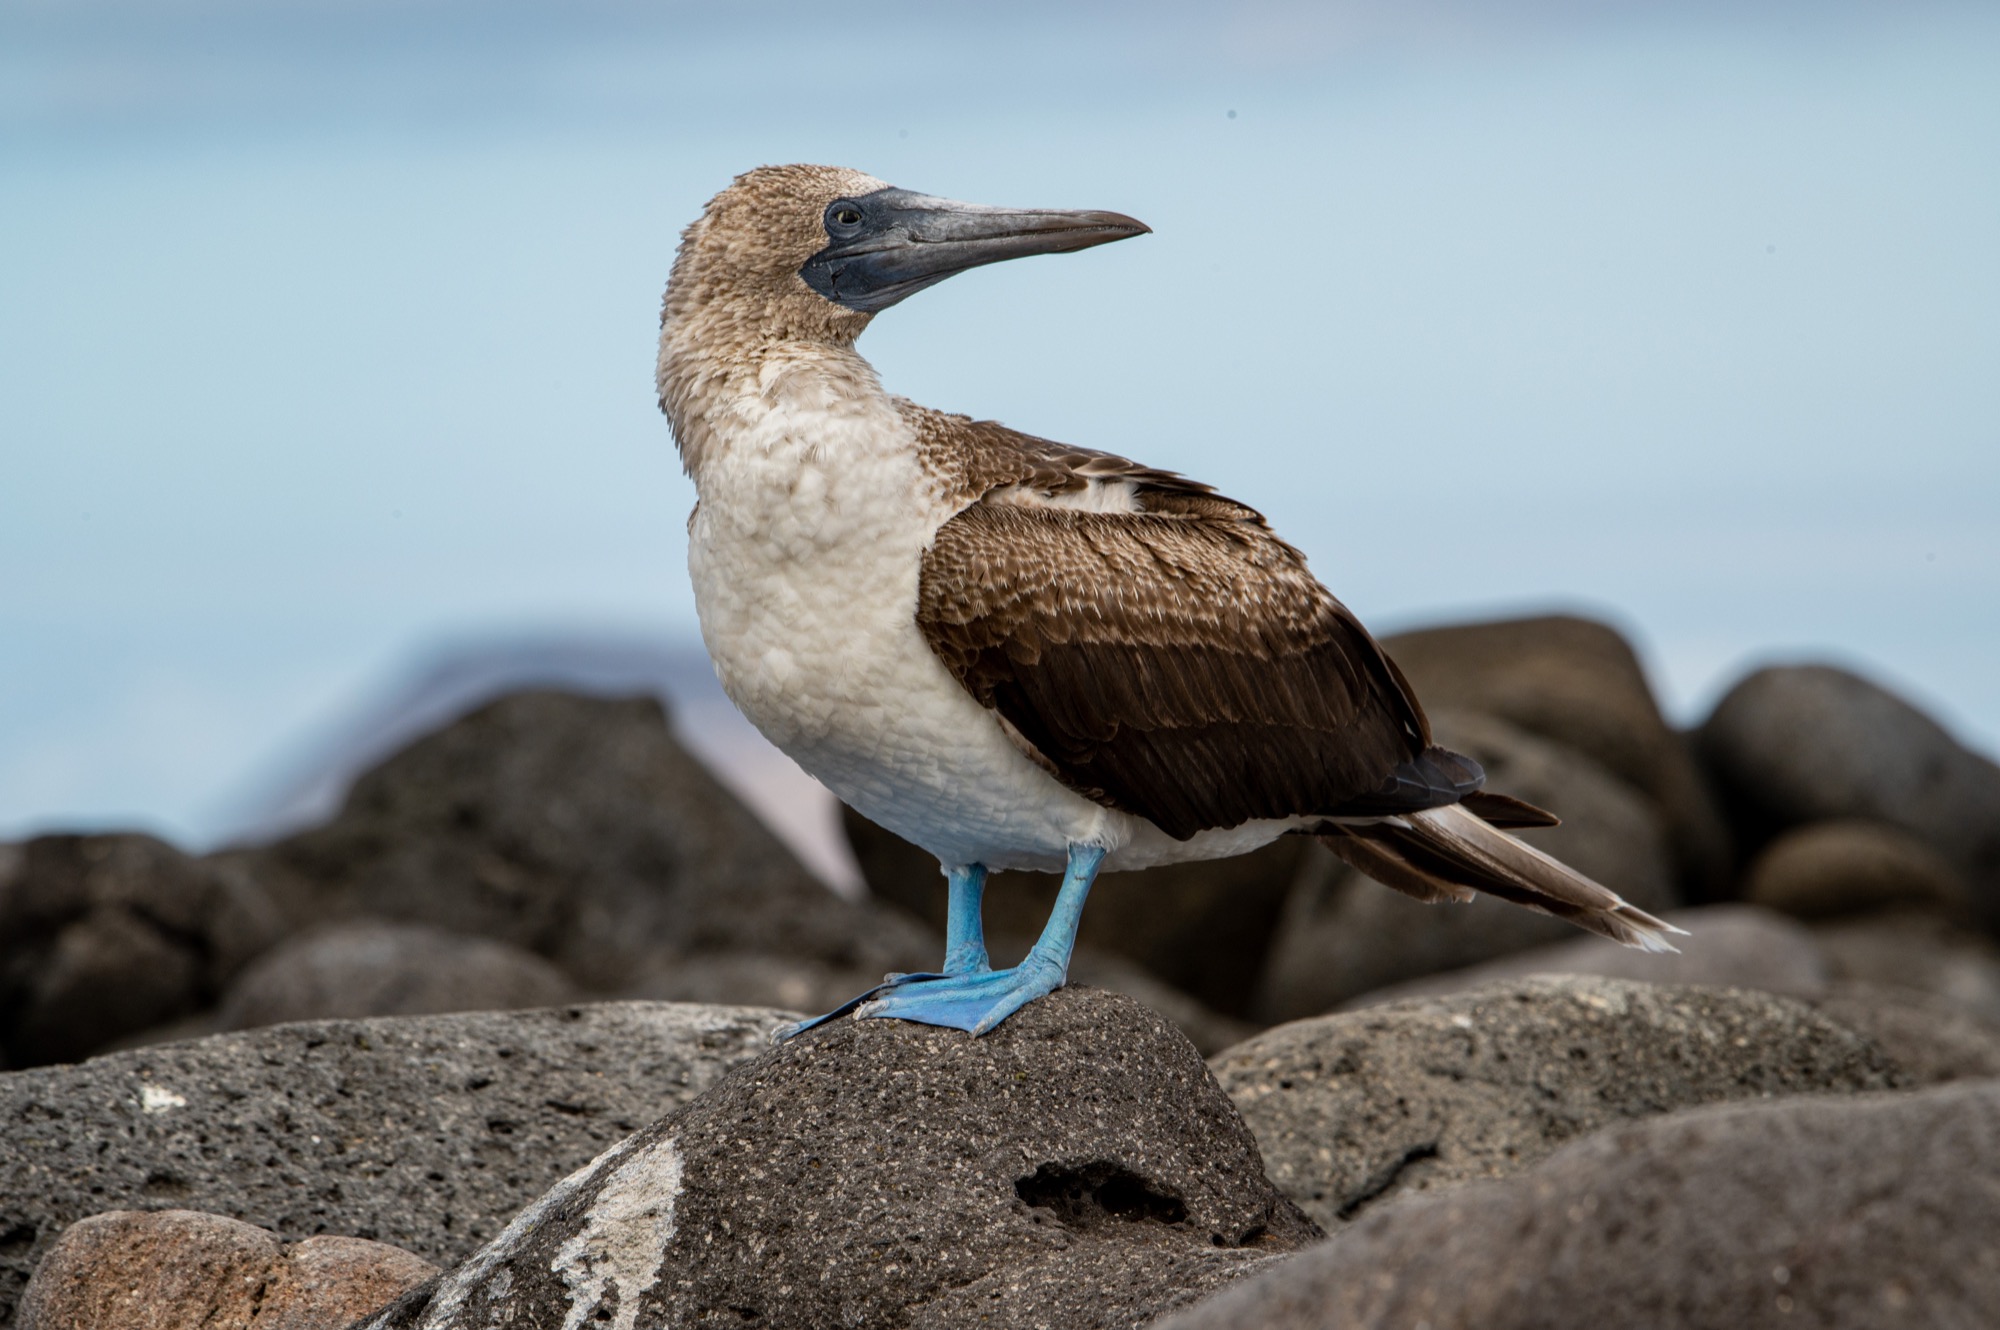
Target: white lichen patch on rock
[486, 1273]
[624, 1237]
[159, 1099]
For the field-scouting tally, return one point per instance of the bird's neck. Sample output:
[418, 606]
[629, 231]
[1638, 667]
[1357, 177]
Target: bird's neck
[724, 398]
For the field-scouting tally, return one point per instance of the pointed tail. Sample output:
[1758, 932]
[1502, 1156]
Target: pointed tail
[1449, 853]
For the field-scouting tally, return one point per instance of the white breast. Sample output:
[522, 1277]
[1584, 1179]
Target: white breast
[805, 551]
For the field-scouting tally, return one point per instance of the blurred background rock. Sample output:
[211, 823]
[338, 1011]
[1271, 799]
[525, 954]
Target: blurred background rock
[550, 846]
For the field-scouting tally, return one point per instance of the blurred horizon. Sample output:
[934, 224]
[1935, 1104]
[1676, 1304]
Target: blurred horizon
[326, 332]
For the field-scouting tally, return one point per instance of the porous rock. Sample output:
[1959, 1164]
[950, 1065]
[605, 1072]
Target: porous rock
[1825, 869]
[1867, 1213]
[374, 967]
[1811, 743]
[1203, 927]
[1353, 1109]
[426, 1132]
[1076, 1167]
[579, 829]
[1344, 935]
[1579, 682]
[1727, 946]
[102, 936]
[185, 1270]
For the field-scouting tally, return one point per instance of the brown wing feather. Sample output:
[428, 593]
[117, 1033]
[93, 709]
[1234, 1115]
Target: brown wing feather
[1180, 663]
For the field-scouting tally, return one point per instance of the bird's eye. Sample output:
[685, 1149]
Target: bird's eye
[844, 214]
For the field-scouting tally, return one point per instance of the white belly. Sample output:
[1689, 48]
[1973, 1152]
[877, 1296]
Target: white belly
[805, 580]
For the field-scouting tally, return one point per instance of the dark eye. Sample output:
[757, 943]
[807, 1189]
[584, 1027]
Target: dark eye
[843, 214]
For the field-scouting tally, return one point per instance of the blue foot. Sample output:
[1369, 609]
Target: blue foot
[974, 1002]
[970, 995]
[965, 949]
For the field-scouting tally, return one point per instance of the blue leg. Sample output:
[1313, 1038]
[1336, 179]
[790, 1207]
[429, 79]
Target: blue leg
[979, 1000]
[964, 946]
[964, 930]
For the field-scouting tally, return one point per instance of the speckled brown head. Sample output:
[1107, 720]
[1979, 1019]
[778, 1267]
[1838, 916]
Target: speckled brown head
[811, 253]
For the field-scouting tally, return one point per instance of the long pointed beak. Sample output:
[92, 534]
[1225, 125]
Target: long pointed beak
[887, 246]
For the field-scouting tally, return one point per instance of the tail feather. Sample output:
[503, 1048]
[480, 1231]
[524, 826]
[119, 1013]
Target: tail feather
[1450, 852]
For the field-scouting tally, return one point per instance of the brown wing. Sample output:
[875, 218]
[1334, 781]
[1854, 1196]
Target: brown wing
[1180, 663]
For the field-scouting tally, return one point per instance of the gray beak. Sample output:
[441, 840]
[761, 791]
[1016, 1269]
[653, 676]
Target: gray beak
[889, 245]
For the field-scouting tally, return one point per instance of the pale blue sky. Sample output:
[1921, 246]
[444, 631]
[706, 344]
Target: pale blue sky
[327, 333]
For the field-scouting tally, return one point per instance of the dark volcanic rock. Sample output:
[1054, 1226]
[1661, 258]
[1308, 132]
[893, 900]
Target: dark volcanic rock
[183, 1270]
[1356, 1108]
[1344, 935]
[103, 936]
[372, 967]
[1826, 869]
[1205, 928]
[425, 1132]
[1876, 1213]
[579, 829]
[1810, 743]
[1728, 946]
[1076, 1167]
[1579, 683]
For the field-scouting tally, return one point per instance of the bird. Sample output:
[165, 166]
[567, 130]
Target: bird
[1012, 652]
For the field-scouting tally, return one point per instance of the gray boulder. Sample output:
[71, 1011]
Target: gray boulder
[104, 936]
[425, 1132]
[578, 829]
[1919, 952]
[1810, 743]
[1578, 682]
[1727, 946]
[1344, 935]
[1931, 1039]
[1872, 1213]
[1205, 928]
[1356, 1109]
[1826, 869]
[1076, 1167]
[373, 967]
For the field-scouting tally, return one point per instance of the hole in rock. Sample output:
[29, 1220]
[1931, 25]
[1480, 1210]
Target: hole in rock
[16, 1239]
[1098, 1193]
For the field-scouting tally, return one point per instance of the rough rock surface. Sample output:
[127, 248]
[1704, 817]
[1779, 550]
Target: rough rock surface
[1825, 869]
[1344, 935]
[184, 1270]
[103, 936]
[1728, 946]
[377, 968]
[1076, 1167]
[1579, 683]
[1810, 743]
[425, 1131]
[1205, 928]
[1354, 1109]
[579, 829]
[1876, 1213]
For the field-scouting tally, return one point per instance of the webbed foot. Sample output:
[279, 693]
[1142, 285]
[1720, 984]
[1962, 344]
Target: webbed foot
[972, 1002]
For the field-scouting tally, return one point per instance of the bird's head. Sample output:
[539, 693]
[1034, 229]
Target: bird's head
[811, 253]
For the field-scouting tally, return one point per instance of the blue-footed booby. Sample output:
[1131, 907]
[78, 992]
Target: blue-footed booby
[1012, 652]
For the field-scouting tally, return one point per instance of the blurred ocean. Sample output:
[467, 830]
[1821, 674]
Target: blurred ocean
[326, 333]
